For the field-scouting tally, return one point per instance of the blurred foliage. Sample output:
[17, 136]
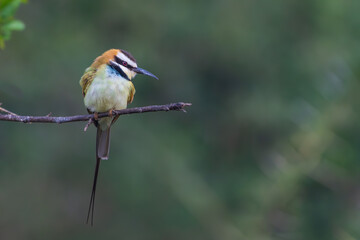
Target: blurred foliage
[270, 148]
[7, 22]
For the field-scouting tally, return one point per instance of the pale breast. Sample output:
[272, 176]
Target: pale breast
[107, 91]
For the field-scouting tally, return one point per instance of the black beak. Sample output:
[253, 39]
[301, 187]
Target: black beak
[143, 71]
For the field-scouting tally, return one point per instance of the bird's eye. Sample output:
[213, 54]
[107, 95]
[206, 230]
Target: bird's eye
[124, 63]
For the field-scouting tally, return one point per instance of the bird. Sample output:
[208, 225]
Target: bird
[106, 86]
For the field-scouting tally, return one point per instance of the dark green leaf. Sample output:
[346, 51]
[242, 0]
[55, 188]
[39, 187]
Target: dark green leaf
[8, 10]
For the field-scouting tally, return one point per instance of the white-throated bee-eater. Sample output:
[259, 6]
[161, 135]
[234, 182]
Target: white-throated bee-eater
[106, 86]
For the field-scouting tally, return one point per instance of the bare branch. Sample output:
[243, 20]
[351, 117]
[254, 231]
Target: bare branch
[77, 118]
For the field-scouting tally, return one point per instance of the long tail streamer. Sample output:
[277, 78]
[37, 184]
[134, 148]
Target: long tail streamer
[92, 198]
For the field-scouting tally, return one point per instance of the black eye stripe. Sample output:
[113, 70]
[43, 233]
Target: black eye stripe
[121, 62]
[118, 60]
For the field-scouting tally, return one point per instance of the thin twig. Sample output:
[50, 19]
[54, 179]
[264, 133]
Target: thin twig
[88, 124]
[7, 111]
[77, 118]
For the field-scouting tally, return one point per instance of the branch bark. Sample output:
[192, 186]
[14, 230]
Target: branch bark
[180, 106]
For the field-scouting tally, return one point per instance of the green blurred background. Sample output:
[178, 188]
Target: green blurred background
[270, 148]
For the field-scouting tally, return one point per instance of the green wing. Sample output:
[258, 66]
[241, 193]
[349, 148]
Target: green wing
[131, 94]
[87, 79]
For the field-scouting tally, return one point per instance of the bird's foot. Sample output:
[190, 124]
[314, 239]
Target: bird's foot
[111, 112]
[96, 116]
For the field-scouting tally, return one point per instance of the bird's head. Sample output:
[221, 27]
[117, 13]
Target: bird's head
[123, 62]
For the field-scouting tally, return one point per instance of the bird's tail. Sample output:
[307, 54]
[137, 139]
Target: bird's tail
[102, 153]
[102, 143]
